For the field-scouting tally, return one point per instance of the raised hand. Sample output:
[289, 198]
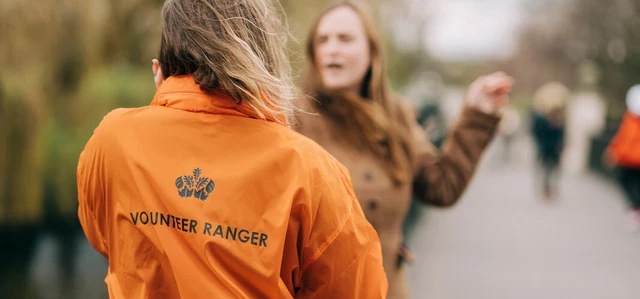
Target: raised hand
[490, 93]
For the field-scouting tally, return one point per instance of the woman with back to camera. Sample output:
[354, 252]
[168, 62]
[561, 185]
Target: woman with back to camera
[206, 193]
[376, 136]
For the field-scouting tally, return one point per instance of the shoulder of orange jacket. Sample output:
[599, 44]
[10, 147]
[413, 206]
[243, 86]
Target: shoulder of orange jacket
[313, 157]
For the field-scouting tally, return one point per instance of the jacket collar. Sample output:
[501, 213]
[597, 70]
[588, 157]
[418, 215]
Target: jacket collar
[182, 92]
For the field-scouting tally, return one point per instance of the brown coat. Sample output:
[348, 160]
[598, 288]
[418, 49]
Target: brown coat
[439, 177]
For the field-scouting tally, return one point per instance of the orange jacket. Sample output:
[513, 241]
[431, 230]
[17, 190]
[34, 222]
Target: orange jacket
[196, 197]
[624, 149]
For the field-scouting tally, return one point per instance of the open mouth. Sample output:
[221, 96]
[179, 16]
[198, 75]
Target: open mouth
[334, 66]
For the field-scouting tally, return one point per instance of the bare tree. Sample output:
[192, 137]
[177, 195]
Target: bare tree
[558, 41]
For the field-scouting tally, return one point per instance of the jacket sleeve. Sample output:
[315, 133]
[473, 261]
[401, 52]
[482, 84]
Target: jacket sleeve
[441, 176]
[343, 257]
[91, 195]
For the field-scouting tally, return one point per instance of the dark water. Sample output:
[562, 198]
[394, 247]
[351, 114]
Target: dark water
[45, 265]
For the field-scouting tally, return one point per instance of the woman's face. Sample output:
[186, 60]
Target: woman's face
[342, 53]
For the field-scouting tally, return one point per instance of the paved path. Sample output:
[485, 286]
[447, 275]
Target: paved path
[501, 242]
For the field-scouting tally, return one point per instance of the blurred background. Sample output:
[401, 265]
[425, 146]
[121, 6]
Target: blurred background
[64, 64]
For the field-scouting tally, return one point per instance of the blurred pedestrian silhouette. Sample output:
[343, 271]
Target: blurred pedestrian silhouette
[507, 131]
[548, 128]
[624, 154]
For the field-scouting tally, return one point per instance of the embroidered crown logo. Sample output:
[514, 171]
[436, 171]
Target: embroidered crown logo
[195, 185]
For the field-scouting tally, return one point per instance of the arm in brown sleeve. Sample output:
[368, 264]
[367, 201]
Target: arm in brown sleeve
[440, 177]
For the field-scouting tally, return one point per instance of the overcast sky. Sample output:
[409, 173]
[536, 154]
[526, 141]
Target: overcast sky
[473, 29]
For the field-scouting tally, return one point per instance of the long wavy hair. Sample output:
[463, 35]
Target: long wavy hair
[233, 45]
[372, 118]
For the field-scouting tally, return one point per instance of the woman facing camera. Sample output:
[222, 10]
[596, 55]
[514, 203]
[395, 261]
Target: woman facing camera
[369, 129]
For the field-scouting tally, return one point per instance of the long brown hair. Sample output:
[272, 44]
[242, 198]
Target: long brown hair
[372, 118]
[233, 45]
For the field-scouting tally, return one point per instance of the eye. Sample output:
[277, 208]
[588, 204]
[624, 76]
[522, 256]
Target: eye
[346, 38]
[321, 39]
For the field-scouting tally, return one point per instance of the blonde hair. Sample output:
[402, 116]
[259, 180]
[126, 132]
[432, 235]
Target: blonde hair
[551, 97]
[234, 45]
[373, 117]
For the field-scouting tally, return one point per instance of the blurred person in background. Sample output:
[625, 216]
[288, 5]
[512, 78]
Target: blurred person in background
[548, 129]
[376, 136]
[509, 126]
[624, 153]
[206, 192]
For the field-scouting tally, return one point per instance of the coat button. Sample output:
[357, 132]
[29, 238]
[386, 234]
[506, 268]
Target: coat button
[368, 176]
[372, 204]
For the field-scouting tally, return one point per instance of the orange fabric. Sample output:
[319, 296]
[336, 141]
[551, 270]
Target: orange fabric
[625, 147]
[195, 197]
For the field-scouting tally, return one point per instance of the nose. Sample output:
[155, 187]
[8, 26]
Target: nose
[331, 47]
